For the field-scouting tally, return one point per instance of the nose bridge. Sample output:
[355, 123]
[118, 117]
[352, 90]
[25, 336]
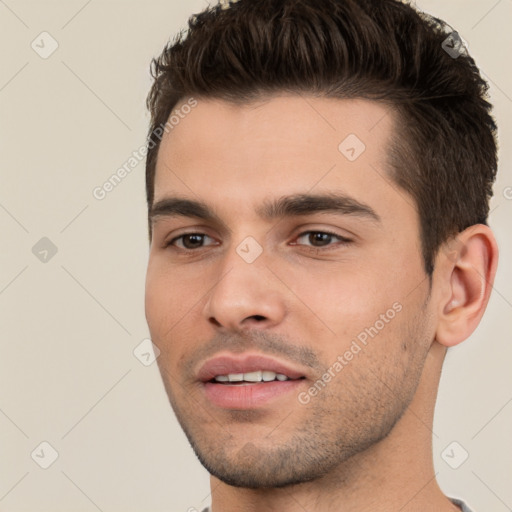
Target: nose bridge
[244, 290]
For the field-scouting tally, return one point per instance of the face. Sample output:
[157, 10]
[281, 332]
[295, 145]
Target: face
[285, 287]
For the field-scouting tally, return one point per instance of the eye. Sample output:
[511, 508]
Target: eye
[319, 239]
[316, 239]
[189, 241]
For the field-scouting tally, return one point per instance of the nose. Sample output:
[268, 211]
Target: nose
[246, 295]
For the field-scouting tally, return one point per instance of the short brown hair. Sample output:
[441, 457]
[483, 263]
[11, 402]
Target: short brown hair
[444, 148]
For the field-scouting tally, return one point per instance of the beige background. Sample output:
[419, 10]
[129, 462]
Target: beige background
[68, 375]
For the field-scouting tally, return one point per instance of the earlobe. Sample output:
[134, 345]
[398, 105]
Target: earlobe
[468, 272]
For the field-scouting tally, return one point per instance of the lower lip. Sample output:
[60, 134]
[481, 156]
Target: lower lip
[248, 396]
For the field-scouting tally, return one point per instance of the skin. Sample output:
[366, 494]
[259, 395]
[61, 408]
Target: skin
[364, 442]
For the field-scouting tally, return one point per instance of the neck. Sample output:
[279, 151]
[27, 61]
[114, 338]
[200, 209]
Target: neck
[395, 474]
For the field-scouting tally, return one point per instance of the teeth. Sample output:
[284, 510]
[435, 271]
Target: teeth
[267, 376]
[253, 376]
[258, 376]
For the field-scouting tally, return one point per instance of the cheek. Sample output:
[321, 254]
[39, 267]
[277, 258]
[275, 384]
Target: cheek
[167, 294]
[171, 308]
[154, 297]
[364, 314]
[163, 306]
[343, 300]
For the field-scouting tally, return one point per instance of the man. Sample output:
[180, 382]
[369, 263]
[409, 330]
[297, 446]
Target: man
[318, 178]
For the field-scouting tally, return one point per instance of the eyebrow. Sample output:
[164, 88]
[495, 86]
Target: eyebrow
[287, 206]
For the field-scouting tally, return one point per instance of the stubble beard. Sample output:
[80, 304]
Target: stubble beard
[319, 442]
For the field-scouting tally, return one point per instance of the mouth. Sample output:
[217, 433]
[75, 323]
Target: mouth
[249, 378]
[248, 381]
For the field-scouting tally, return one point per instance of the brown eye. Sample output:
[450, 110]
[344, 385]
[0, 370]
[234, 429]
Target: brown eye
[189, 241]
[319, 239]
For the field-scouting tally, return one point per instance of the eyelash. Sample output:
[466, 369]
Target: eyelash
[343, 240]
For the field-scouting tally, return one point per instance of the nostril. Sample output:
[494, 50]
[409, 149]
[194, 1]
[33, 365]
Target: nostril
[215, 322]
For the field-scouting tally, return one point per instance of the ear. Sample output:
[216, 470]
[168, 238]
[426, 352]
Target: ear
[467, 267]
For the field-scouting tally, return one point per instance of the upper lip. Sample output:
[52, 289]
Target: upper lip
[224, 365]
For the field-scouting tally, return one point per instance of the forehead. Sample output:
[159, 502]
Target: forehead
[241, 154]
